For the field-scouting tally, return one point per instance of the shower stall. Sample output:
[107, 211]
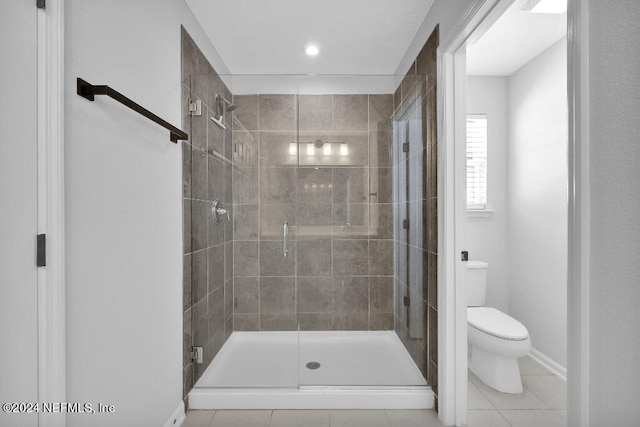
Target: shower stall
[306, 218]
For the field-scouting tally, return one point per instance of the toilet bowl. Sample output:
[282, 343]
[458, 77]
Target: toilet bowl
[496, 340]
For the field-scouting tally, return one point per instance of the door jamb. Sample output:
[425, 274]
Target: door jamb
[452, 338]
[51, 279]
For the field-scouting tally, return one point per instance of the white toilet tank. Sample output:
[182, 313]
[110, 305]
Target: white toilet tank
[476, 283]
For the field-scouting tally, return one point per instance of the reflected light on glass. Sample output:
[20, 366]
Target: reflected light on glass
[293, 148]
[311, 150]
[326, 149]
[344, 149]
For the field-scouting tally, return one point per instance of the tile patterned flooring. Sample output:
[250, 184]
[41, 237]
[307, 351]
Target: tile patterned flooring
[542, 404]
[313, 418]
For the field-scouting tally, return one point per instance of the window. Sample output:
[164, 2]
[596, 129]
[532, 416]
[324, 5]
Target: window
[476, 161]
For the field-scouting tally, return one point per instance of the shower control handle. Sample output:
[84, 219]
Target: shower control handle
[219, 212]
[285, 240]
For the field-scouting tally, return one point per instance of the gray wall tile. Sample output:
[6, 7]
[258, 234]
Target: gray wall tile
[186, 282]
[275, 149]
[245, 258]
[278, 322]
[272, 261]
[198, 133]
[200, 323]
[315, 112]
[350, 257]
[228, 261]
[316, 321]
[245, 185]
[350, 112]
[278, 185]
[246, 112]
[200, 213]
[246, 295]
[315, 186]
[186, 225]
[278, 112]
[246, 322]
[381, 321]
[216, 267]
[381, 289]
[350, 185]
[186, 170]
[199, 276]
[381, 257]
[199, 175]
[272, 219]
[277, 295]
[351, 294]
[310, 216]
[315, 295]
[380, 110]
[215, 311]
[314, 257]
[216, 185]
[246, 222]
[186, 338]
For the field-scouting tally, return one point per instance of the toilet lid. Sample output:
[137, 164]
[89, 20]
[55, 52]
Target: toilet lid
[496, 323]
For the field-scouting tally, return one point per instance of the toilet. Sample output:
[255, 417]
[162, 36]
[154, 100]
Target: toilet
[496, 340]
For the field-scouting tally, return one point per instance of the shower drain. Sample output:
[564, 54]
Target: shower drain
[312, 365]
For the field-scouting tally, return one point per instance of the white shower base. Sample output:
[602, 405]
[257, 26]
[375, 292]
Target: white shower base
[266, 370]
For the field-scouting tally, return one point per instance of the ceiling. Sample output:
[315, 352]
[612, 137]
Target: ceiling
[268, 37]
[514, 40]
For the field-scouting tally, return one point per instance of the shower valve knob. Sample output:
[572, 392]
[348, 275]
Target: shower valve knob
[218, 211]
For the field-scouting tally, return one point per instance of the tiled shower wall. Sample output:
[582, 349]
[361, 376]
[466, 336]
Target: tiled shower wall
[339, 272]
[417, 246]
[208, 246]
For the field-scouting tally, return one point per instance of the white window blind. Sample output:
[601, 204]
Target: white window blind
[476, 161]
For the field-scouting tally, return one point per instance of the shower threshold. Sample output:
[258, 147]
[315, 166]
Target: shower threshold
[312, 370]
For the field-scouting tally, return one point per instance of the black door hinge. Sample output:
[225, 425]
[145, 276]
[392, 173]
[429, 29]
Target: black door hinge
[465, 256]
[41, 250]
[405, 147]
[405, 224]
[41, 4]
[407, 301]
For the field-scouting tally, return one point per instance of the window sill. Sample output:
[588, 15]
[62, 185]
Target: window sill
[480, 213]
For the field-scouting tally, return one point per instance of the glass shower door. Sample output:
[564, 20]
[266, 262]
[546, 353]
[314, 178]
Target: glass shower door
[345, 235]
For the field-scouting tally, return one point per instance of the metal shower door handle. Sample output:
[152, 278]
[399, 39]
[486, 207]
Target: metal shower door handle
[285, 239]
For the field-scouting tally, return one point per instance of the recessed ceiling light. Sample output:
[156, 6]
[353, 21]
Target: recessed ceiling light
[312, 50]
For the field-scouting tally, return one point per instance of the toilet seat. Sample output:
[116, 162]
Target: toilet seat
[496, 323]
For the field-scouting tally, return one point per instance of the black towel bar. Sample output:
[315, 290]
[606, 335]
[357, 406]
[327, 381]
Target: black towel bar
[88, 91]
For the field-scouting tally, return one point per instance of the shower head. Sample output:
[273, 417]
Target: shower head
[226, 104]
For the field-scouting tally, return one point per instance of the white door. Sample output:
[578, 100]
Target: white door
[18, 209]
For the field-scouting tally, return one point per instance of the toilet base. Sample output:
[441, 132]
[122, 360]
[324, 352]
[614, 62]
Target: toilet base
[501, 373]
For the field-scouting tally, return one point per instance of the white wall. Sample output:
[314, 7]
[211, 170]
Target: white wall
[537, 200]
[615, 206]
[487, 236]
[124, 210]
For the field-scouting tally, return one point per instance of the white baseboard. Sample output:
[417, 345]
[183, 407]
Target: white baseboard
[549, 363]
[177, 417]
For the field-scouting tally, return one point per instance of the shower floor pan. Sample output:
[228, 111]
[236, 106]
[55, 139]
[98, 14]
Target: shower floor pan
[347, 370]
